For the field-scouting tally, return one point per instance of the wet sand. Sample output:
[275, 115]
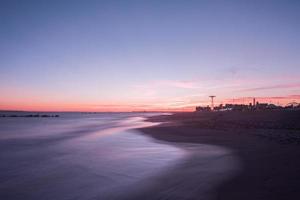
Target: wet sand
[266, 144]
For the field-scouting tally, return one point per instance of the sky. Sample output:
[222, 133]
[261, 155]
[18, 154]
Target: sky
[147, 55]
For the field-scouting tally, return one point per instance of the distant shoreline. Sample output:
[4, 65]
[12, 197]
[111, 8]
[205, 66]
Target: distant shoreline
[27, 116]
[267, 144]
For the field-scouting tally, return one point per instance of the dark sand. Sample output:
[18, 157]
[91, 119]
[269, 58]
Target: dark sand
[266, 143]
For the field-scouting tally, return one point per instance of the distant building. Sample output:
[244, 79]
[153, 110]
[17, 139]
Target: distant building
[261, 106]
[200, 108]
[255, 106]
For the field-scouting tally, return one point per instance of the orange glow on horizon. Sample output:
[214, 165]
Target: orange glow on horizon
[135, 107]
[47, 107]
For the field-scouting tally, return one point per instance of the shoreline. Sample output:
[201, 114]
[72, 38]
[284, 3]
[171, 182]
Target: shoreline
[267, 144]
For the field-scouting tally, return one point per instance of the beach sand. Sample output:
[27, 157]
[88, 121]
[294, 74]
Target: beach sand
[266, 144]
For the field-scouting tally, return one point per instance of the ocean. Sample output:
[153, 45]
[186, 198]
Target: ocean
[79, 156]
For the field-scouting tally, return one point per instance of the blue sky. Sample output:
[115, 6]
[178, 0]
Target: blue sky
[146, 54]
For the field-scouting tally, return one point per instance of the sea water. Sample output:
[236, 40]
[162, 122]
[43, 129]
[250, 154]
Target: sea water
[78, 156]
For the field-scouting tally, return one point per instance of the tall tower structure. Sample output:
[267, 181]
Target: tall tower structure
[212, 102]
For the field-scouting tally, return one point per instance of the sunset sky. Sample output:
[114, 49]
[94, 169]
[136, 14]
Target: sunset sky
[147, 55]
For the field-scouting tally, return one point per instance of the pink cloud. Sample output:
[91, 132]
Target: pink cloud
[278, 86]
[169, 83]
[179, 84]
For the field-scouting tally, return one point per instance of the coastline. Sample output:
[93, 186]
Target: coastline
[266, 143]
